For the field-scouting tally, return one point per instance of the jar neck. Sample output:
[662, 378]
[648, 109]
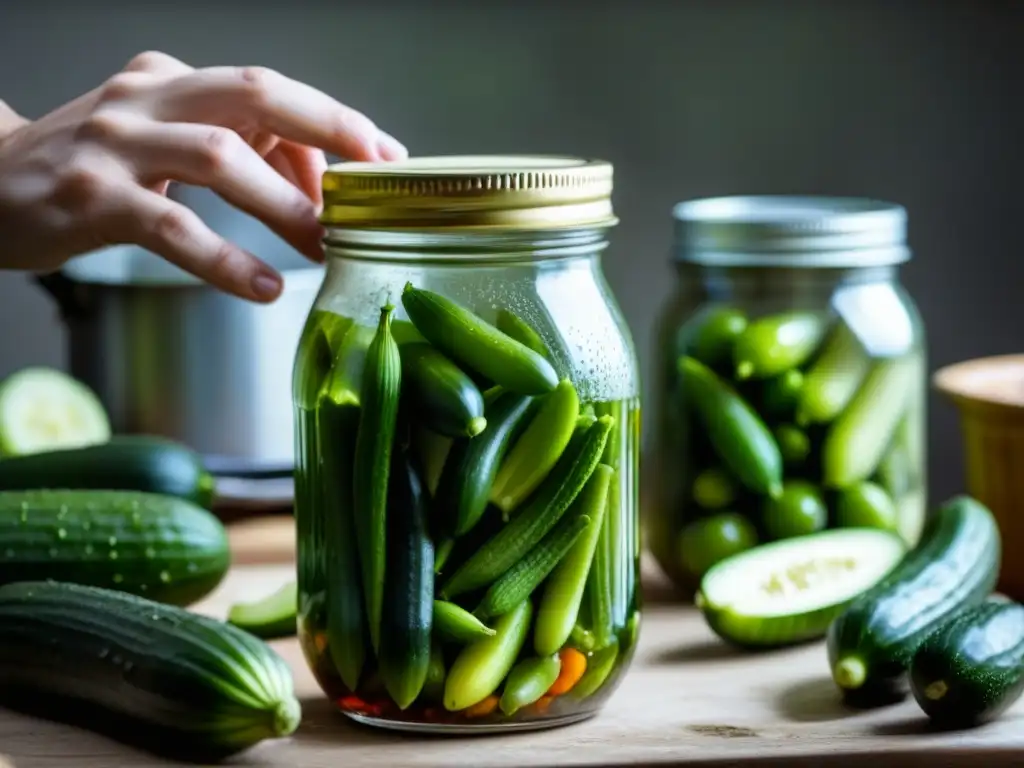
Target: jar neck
[728, 283]
[464, 248]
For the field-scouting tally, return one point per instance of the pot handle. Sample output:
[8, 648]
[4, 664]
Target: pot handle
[71, 297]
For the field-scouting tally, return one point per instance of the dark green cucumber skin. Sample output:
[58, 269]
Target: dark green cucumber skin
[408, 616]
[346, 624]
[955, 566]
[478, 345]
[160, 547]
[979, 655]
[125, 463]
[156, 676]
[472, 464]
[446, 400]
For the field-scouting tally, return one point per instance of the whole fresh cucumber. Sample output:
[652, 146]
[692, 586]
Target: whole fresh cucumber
[954, 566]
[857, 440]
[709, 540]
[153, 675]
[772, 345]
[316, 352]
[404, 656]
[456, 624]
[833, 380]
[381, 388]
[445, 399]
[738, 434]
[528, 681]
[478, 345]
[971, 669]
[161, 547]
[535, 453]
[798, 511]
[472, 464]
[124, 463]
[711, 335]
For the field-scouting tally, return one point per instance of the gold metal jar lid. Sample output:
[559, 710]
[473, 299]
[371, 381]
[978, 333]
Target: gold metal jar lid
[469, 193]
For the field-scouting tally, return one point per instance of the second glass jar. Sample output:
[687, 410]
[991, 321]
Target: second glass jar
[466, 399]
[791, 383]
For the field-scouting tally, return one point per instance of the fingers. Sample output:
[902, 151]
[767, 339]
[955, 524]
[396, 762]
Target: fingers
[171, 230]
[302, 166]
[218, 158]
[253, 97]
[10, 121]
[156, 62]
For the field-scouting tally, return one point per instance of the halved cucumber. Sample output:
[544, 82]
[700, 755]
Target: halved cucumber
[269, 617]
[42, 409]
[789, 591]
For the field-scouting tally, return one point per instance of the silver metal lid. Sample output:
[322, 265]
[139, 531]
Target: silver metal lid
[778, 230]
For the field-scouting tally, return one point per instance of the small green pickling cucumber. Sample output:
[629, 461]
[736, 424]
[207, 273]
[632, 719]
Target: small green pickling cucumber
[405, 333]
[512, 325]
[528, 681]
[599, 667]
[781, 394]
[711, 337]
[536, 452]
[403, 658]
[737, 433]
[866, 505]
[798, 511]
[856, 441]
[480, 667]
[794, 444]
[706, 542]
[474, 343]
[714, 489]
[833, 379]
[519, 581]
[433, 688]
[455, 623]
[536, 518]
[444, 398]
[316, 352]
[381, 388]
[472, 464]
[563, 593]
[774, 344]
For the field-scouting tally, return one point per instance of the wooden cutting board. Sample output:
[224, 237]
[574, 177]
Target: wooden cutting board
[688, 701]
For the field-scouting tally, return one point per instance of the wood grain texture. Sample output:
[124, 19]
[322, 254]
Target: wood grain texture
[688, 701]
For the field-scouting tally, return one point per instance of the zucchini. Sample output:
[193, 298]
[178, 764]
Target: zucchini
[528, 681]
[535, 453]
[772, 345]
[456, 624]
[956, 564]
[123, 463]
[737, 433]
[515, 327]
[789, 591]
[563, 593]
[381, 387]
[480, 667]
[710, 338]
[160, 547]
[971, 669]
[404, 656]
[151, 674]
[535, 519]
[42, 409]
[856, 441]
[270, 617]
[478, 345]
[472, 464]
[444, 398]
[338, 418]
[833, 380]
[519, 581]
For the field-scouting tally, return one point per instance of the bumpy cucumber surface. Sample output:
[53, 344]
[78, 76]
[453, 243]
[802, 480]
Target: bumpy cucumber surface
[955, 565]
[738, 434]
[971, 669]
[123, 463]
[154, 675]
[160, 547]
[478, 345]
[445, 399]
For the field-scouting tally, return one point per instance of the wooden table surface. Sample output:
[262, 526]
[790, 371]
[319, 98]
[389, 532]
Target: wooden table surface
[688, 701]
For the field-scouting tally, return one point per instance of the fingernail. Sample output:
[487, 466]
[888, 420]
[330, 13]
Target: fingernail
[266, 285]
[390, 148]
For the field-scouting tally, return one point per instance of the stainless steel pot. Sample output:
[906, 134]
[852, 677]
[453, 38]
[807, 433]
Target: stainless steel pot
[171, 356]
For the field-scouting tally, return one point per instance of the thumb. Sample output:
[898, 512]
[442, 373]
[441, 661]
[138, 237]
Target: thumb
[10, 120]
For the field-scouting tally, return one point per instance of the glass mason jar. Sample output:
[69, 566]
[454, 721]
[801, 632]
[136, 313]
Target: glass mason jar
[466, 397]
[791, 380]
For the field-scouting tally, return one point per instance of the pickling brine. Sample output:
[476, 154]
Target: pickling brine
[466, 487]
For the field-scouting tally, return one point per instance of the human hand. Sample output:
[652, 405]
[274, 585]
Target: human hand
[95, 172]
